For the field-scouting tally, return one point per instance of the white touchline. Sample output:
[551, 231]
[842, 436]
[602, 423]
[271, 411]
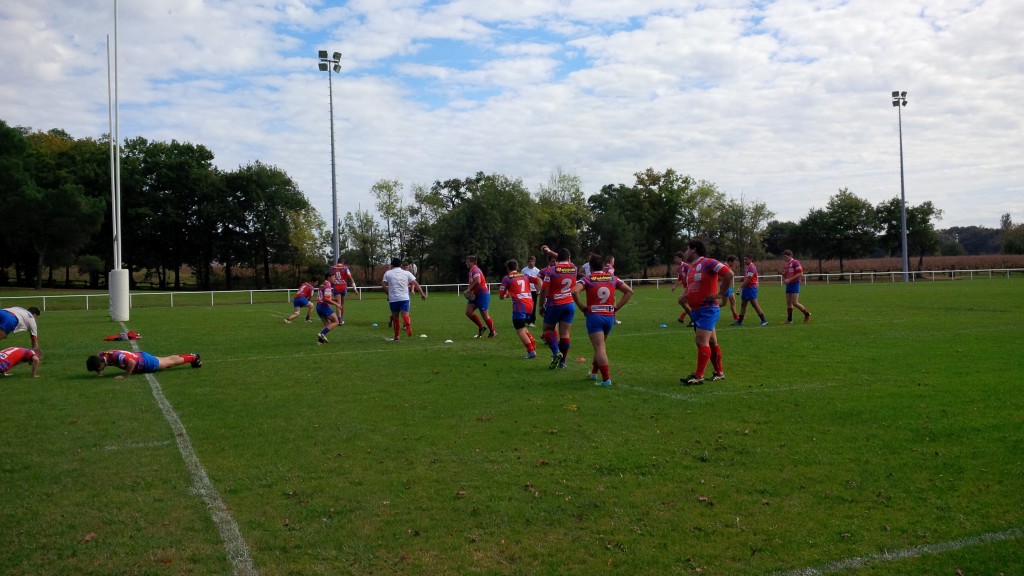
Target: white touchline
[913, 552]
[234, 544]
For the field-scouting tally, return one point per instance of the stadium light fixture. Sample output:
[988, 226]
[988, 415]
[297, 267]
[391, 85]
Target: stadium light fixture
[899, 100]
[331, 64]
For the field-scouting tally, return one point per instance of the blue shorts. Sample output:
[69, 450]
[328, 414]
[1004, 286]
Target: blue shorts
[8, 321]
[748, 294]
[399, 306]
[793, 288]
[482, 301]
[705, 318]
[560, 313]
[147, 364]
[728, 293]
[300, 302]
[324, 310]
[600, 323]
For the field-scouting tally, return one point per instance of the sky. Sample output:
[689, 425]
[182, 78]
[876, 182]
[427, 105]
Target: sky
[783, 102]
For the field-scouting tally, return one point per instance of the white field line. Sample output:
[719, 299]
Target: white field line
[912, 552]
[135, 445]
[234, 544]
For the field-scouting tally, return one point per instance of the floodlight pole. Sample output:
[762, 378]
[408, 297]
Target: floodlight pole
[899, 100]
[331, 64]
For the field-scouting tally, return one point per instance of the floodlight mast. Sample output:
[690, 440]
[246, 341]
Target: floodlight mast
[899, 100]
[332, 64]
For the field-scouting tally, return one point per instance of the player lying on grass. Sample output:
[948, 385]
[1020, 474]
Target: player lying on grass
[11, 357]
[138, 362]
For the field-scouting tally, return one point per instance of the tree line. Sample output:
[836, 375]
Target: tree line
[254, 227]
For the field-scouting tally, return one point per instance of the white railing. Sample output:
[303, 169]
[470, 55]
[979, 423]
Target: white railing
[143, 299]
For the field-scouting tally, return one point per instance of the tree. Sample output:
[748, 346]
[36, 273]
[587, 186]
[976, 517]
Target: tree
[742, 227]
[846, 228]
[922, 238]
[263, 197]
[390, 207]
[364, 241]
[560, 213]
[15, 184]
[1013, 236]
[779, 236]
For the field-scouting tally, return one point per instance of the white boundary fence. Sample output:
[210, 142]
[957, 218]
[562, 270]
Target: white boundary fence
[145, 299]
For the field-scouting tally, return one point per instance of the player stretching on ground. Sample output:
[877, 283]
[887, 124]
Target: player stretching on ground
[706, 284]
[11, 357]
[138, 362]
[600, 311]
[325, 306]
[478, 297]
[518, 287]
[341, 281]
[748, 292]
[302, 300]
[557, 305]
[18, 319]
[792, 275]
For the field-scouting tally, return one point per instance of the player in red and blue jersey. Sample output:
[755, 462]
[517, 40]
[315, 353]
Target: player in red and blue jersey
[341, 281]
[792, 275]
[302, 300]
[138, 362]
[11, 357]
[682, 268]
[325, 305]
[557, 305]
[748, 292]
[519, 288]
[478, 297]
[600, 312]
[707, 282]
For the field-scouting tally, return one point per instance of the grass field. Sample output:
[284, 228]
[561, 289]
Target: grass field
[885, 437]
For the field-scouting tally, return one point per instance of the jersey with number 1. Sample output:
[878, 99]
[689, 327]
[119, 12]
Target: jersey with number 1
[600, 288]
[10, 357]
[558, 282]
[325, 294]
[750, 276]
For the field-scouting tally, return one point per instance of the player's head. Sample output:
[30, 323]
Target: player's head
[679, 257]
[94, 363]
[328, 276]
[531, 260]
[471, 260]
[609, 260]
[748, 259]
[34, 311]
[564, 255]
[512, 265]
[595, 263]
[731, 260]
[787, 254]
[697, 245]
[396, 262]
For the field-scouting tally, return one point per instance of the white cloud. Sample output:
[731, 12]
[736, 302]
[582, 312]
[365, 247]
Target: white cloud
[785, 101]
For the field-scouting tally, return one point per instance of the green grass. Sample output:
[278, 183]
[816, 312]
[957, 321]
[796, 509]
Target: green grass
[890, 422]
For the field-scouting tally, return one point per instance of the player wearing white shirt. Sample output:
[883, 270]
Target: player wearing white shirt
[18, 319]
[399, 283]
